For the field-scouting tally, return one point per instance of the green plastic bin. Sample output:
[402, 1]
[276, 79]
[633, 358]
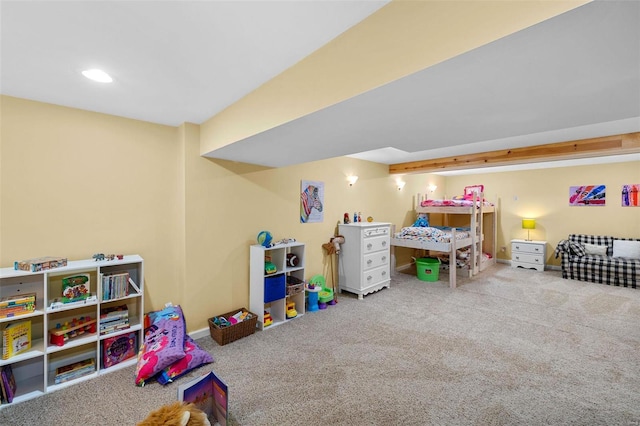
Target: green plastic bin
[427, 268]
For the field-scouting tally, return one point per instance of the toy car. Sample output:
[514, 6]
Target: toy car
[270, 268]
[291, 310]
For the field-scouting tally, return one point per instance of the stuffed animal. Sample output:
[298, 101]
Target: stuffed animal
[421, 221]
[176, 414]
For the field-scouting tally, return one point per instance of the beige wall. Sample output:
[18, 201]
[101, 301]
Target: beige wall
[543, 194]
[73, 183]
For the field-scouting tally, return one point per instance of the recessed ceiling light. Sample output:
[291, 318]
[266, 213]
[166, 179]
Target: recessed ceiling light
[97, 75]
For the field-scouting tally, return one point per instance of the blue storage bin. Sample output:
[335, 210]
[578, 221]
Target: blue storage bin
[274, 288]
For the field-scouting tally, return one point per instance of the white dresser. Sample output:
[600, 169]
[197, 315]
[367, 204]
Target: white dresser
[528, 254]
[364, 259]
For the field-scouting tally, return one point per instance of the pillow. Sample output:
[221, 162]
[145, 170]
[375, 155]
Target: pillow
[163, 343]
[194, 358]
[622, 248]
[595, 249]
[577, 249]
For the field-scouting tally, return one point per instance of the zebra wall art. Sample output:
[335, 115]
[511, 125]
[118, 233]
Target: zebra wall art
[310, 199]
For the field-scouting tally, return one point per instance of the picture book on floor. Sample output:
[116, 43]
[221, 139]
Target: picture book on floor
[16, 338]
[210, 394]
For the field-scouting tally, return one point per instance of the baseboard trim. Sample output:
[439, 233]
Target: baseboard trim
[203, 332]
[546, 267]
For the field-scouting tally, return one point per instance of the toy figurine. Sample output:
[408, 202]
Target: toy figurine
[346, 218]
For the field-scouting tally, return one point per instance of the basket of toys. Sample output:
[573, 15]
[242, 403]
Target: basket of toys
[232, 326]
[294, 285]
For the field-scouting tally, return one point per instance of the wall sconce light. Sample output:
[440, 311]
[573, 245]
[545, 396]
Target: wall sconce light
[400, 184]
[528, 224]
[432, 188]
[352, 180]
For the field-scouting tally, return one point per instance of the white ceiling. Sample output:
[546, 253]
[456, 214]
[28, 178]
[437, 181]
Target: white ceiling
[574, 76]
[172, 61]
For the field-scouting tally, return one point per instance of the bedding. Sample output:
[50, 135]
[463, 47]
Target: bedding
[430, 234]
[453, 203]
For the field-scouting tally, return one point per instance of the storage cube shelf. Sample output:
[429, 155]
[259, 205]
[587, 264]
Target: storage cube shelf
[268, 291]
[35, 369]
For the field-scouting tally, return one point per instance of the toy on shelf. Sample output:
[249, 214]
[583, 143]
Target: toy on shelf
[269, 267]
[292, 260]
[267, 319]
[66, 331]
[101, 256]
[291, 310]
[265, 238]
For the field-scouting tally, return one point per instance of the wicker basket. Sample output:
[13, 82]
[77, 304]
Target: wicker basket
[294, 289]
[224, 335]
[294, 285]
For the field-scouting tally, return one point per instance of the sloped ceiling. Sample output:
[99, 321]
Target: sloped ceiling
[573, 76]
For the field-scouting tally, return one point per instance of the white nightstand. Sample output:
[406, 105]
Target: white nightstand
[528, 254]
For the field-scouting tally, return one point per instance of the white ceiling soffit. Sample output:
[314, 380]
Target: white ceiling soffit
[171, 61]
[576, 70]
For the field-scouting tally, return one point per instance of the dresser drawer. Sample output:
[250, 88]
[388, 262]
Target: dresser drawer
[527, 248]
[375, 276]
[536, 259]
[373, 244]
[378, 231]
[375, 260]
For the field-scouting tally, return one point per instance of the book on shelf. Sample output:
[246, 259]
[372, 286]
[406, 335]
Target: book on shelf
[210, 394]
[18, 304]
[75, 370]
[113, 319]
[115, 286]
[16, 338]
[76, 288]
[119, 348]
[8, 383]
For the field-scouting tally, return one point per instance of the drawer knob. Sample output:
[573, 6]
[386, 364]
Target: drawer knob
[384, 273]
[384, 244]
[369, 278]
[369, 262]
[384, 258]
[369, 246]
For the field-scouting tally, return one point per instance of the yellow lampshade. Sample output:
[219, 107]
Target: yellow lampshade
[528, 224]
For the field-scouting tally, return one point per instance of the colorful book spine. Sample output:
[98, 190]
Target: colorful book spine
[115, 286]
[17, 305]
[75, 370]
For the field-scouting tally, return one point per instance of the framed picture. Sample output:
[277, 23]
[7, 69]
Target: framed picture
[311, 201]
[630, 195]
[587, 195]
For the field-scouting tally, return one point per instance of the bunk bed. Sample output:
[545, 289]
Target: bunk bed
[480, 213]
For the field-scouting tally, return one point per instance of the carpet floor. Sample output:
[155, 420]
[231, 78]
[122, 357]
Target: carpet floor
[507, 347]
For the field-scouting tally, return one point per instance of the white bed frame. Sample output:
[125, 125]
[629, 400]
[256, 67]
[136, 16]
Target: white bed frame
[477, 219]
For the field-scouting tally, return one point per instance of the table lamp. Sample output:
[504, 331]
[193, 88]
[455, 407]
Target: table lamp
[528, 224]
